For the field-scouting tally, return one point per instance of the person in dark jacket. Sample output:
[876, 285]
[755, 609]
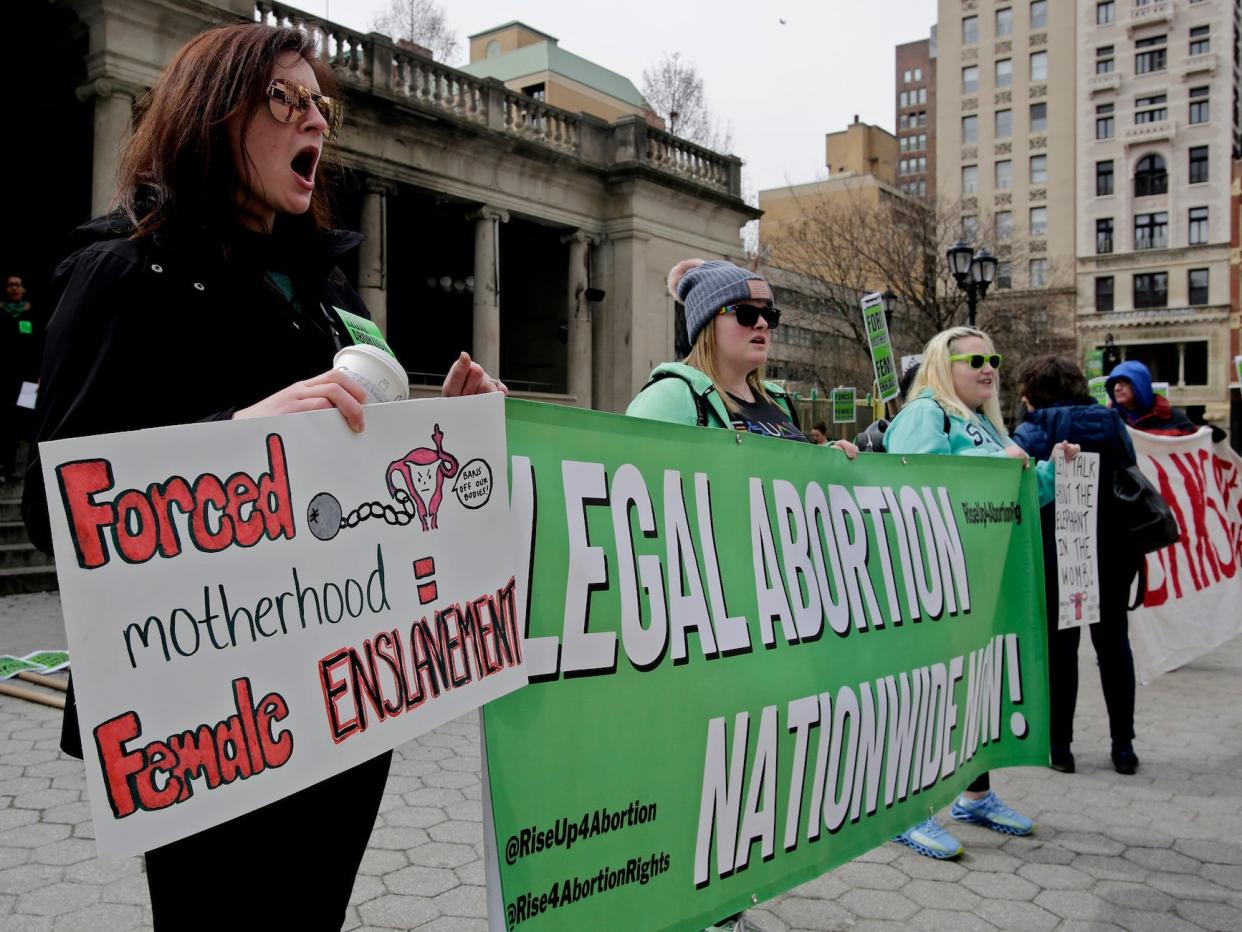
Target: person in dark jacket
[20, 348]
[1129, 387]
[1060, 407]
[211, 294]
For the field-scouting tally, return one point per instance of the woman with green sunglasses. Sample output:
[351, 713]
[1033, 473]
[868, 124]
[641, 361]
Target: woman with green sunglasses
[954, 409]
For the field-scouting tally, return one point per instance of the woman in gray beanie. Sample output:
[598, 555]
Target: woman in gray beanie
[730, 316]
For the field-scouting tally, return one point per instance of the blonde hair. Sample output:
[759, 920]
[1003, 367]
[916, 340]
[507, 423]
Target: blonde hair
[703, 357]
[936, 373]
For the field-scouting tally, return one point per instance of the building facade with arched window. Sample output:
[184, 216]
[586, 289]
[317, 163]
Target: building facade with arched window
[1158, 129]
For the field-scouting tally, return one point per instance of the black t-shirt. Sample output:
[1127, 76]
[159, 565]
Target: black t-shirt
[763, 417]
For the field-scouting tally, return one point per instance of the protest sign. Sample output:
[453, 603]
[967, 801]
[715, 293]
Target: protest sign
[1076, 512]
[1194, 587]
[1237, 365]
[255, 605]
[48, 661]
[1160, 388]
[876, 324]
[10, 666]
[909, 362]
[1093, 363]
[843, 406]
[1098, 389]
[749, 663]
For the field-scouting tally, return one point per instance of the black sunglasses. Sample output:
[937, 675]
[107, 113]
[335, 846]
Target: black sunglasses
[748, 315]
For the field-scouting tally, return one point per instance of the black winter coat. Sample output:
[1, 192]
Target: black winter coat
[175, 328]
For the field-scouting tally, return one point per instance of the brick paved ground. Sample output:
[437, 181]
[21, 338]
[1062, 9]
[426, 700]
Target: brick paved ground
[1161, 850]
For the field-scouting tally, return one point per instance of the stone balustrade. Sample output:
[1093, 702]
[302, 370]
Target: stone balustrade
[374, 64]
[1143, 133]
[1149, 14]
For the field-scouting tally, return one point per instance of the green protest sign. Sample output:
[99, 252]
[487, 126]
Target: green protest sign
[749, 663]
[1097, 388]
[876, 325]
[1160, 388]
[1237, 364]
[10, 666]
[843, 406]
[1093, 363]
[49, 660]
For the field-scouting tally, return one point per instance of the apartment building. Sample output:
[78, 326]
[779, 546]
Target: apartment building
[1158, 128]
[916, 118]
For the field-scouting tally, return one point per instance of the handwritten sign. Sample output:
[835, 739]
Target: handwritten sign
[255, 605]
[1098, 389]
[1077, 507]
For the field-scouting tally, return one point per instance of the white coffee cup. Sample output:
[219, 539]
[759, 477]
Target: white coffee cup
[379, 375]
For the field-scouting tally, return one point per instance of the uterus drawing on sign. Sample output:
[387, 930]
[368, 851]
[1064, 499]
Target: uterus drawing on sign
[416, 485]
[423, 471]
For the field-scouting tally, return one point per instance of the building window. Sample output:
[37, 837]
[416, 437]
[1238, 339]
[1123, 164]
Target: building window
[1039, 66]
[918, 74]
[906, 76]
[922, 187]
[1150, 176]
[970, 228]
[1104, 61]
[1153, 56]
[1104, 127]
[1004, 275]
[922, 164]
[922, 95]
[1038, 273]
[1151, 109]
[1004, 174]
[1039, 117]
[1198, 228]
[1104, 178]
[1104, 293]
[1004, 22]
[1004, 124]
[1198, 164]
[1151, 231]
[970, 130]
[1151, 289]
[1200, 111]
[970, 79]
[970, 179]
[1004, 225]
[903, 99]
[1197, 286]
[1200, 40]
[1004, 72]
[1039, 221]
[1104, 235]
[1039, 169]
[922, 140]
[1039, 14]
[1105, 13]
[922, 118]
[970, 30]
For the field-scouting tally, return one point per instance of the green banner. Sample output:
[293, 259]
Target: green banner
[749, 663]
[1093, 363]
[843, 406]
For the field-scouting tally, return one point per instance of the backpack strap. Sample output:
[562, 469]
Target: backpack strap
[700, 401]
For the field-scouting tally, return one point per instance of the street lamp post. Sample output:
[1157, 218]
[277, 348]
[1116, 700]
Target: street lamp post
[973, 271]
[890, 304]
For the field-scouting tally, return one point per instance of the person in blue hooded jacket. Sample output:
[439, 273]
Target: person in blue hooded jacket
[1060, 407]
[954, 409]
[1129, 388]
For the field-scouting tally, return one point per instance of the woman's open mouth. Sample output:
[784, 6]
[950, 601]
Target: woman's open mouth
[303, 166]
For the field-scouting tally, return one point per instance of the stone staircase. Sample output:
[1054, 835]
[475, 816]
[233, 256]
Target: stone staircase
[22, 567]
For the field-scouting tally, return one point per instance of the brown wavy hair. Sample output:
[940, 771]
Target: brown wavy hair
[178, 166]
[1052, 380]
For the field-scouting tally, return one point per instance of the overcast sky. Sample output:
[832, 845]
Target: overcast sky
[779, 88]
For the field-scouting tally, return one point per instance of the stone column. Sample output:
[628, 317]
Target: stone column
[578, 315]
[114, 108]
[373, 254]
[486, 349]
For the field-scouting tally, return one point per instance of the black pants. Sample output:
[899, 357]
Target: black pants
[289, 865]
[1111, 638]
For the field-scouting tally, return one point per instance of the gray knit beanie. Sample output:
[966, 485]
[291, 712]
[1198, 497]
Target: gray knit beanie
[704, 287]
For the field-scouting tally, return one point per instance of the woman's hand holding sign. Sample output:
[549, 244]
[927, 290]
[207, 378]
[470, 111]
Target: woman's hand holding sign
[332, 389]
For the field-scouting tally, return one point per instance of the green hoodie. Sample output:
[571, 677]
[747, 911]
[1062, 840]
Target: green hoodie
[919, 428]
[672, 397]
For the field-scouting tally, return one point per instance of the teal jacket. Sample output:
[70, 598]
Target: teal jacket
[919, 428]
[672, 399]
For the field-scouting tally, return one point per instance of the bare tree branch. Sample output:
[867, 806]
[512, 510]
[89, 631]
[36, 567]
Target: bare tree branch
[421, 22]
[675, 91]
